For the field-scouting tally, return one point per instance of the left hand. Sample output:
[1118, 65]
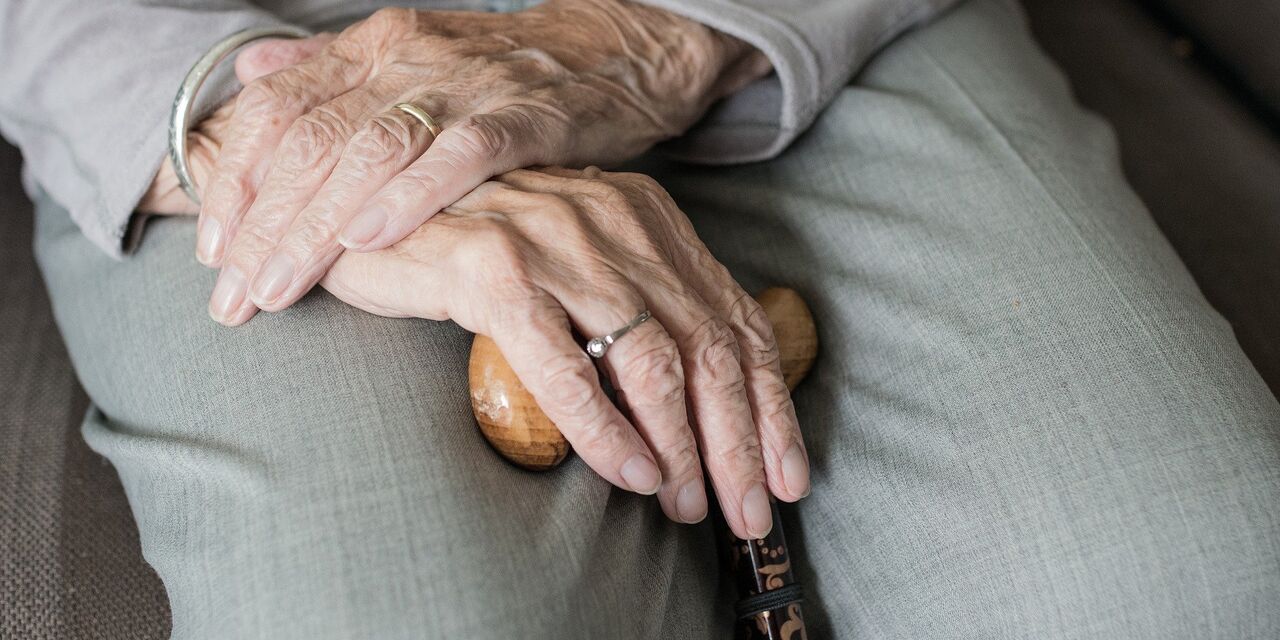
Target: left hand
[531, 255]
[317, 160]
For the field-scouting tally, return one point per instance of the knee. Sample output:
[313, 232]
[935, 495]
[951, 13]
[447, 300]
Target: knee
[1128, 538]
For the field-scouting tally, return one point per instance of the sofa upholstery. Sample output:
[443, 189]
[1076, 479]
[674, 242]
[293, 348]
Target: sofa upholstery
[1241, 38]
[1191, 93]
[70, 565]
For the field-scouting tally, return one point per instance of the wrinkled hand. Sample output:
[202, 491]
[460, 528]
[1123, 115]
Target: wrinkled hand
[527, 257]
[204, 141]
[316, 159]
[530, 256]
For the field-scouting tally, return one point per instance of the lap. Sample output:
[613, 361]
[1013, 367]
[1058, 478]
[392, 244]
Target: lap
[317, 473]
[1025, 418]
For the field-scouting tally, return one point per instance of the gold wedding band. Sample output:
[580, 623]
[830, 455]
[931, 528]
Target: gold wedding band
[422, 116]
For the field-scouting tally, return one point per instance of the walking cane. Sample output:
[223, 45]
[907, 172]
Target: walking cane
[510, 419]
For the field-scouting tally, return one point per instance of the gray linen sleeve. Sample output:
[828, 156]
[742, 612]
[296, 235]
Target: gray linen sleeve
[815, 46]
[85, 89]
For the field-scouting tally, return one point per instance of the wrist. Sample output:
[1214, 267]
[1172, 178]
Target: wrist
[680, 66]
[699, 64]
[165, 195]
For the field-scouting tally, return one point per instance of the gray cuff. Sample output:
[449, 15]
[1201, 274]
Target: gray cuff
[218, 88]
[759, 121]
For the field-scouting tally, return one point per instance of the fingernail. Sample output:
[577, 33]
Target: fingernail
[228, 294]
[641, 475]
[364, 227]
[691, 502]
[756, 512]
[795, 471]
[209, 244]
[274, 277]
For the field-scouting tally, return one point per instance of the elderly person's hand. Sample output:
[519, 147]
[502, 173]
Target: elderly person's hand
[317, 158]
[533, 254]
[529, 257]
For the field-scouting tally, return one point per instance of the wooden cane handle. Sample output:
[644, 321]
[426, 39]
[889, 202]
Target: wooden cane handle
[517, 428]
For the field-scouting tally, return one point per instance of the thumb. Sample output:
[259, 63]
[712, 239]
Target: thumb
[270, 55]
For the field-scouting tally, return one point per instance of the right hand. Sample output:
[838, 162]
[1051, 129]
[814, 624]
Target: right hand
[204, 142]
[529, 257]
[318, 161]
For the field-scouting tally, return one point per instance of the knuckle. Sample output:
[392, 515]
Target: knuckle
[477, 137]
[779, 409]
[497, 254]
[553, 209]
[411, 185]
[601, 436]
[493, 240]
[231, 192]
[640, 185]
[391, 20]
[680, 457]
[758, 343]
[266, 101]
[313, 137]
[382, 139]
[248, 249]
[252, 239]
[312, 234]
[635, 180]
[658, 377]
[257, 97]
[569, 380]
[741, 455]
[269, 54]
[609, 200]
[717, 356]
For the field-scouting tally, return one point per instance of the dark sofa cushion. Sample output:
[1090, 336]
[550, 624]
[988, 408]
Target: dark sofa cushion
[70, 563]
[1206, 166]
[1243, 34]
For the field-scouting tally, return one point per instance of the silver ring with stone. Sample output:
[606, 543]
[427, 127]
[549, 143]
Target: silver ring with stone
[596, 347]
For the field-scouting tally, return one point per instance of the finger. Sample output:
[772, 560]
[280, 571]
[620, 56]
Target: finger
[465, 155]
[383, 146]
[786, 459]
[303, 161]
[565, 383]
[270, 55]
[645, 367]
[716, 390]
[714, 380]
[265, 110]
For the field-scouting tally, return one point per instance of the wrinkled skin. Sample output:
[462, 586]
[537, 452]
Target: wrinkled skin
[317, 159]
[533, 253]
[528, 256]
[525, 257]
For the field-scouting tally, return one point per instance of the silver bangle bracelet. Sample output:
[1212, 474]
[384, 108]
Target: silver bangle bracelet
[184, 102]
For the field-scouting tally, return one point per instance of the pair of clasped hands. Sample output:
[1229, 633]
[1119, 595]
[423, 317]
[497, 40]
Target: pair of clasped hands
[311, 177]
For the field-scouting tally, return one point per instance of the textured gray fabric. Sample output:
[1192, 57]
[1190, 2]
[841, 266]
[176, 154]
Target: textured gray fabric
[814, 45]
[70, 566]
[1206, 165]
[1026, 420]
[79, 87]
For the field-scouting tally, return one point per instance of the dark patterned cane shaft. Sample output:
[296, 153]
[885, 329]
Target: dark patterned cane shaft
[765, 565]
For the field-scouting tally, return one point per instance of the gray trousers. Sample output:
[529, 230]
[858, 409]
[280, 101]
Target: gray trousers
[1025, 420]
